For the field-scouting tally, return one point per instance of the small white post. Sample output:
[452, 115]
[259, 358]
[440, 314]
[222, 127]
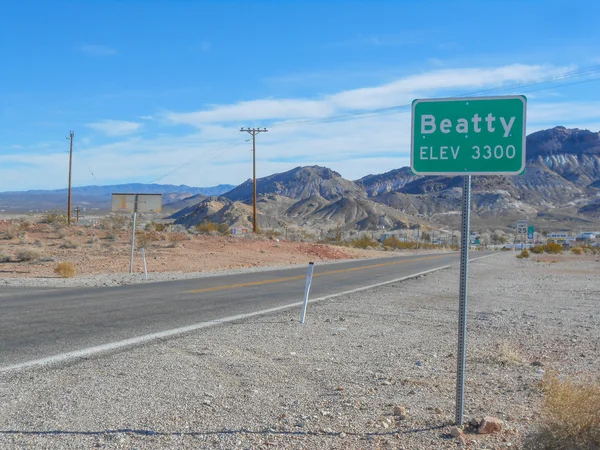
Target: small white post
[133, 234]
[309, 274]
[144, 258]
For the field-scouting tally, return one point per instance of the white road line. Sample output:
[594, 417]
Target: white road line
[87, 352]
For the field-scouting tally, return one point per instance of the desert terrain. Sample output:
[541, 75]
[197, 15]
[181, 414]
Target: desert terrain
[100, 254]
[374, 369]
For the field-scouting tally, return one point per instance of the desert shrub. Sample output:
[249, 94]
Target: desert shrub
[92, 240]
[364, 242]
[175, 239]
[392, 242]
[537, 249]
[508, 355]
[115, 222]
[23, 224]
[111, 236]
[65, 269]
[153, 226]
[212, 227]
[224, 229]
[28, 254]
[395, 243]
[4, 258]
[577, 250]
[270, 233]
[143, 239]
[55, 218]
[505, 249]
[80, 232]
[553, 247]
[9, 234]
[570, 414]
[207, 227]
[525, 253]
[68, 244]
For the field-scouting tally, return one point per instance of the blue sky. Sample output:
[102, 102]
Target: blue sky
[157, 90]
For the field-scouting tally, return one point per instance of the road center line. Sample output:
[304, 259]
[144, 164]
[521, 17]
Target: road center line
[300, 277]
[90, 351]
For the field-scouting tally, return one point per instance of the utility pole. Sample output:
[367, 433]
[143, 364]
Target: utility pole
[71, 134]
[254, 132]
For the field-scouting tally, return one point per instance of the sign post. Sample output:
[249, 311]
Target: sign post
[522, 231]
[134, 203]
[467, 136]
[531, 233]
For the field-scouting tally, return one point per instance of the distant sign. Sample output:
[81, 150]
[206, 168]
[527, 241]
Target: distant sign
[530, 232]
[146, 203]
[468, 136]
[557, 236]
[521, 226]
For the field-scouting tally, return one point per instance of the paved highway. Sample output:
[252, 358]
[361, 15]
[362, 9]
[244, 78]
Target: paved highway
[38, 323]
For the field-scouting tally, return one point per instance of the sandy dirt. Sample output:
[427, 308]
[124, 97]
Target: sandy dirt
[99, 251]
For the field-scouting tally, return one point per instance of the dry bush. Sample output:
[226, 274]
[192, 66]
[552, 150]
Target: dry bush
[68, 244]
[553, 248]
[268, 233]
[28, 254]
[212, 227]
[111, 236]
[55, 218]
[395, 243]
[9, 234]
[537, 249]
[525, 253]
[65, 269]
[364, 242]
[508, 355]
[143, 239]
[577, 250]
[570, 415]
[4, 258]
[23, 224]
[115, 222]
[175, 239]
[153, 226]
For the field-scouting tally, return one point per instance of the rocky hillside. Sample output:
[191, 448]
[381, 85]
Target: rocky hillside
[560, 187]
[300, 183]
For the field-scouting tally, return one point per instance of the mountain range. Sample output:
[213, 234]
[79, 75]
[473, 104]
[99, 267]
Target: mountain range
[560, 189]
[99, 197]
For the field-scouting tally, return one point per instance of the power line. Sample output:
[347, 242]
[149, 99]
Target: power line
[219, 145]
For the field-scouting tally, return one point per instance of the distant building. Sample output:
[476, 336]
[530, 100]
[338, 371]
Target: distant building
[587, 236]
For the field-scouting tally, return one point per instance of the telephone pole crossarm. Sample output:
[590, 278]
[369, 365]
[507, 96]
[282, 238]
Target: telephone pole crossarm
[254, 132]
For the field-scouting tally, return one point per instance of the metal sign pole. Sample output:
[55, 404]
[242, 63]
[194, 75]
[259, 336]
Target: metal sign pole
[133, 234]
[462, 311]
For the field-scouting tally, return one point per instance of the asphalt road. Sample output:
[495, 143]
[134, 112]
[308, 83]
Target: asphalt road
[40, 323]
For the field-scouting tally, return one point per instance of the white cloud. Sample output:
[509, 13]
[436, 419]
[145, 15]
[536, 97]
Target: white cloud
[399, 92]
[216, 152]
[115, 127]
[97, 50]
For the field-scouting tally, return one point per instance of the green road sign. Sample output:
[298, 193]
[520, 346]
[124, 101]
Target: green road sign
[468, 136]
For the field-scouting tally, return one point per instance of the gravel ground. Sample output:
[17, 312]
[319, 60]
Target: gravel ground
[269, 382]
